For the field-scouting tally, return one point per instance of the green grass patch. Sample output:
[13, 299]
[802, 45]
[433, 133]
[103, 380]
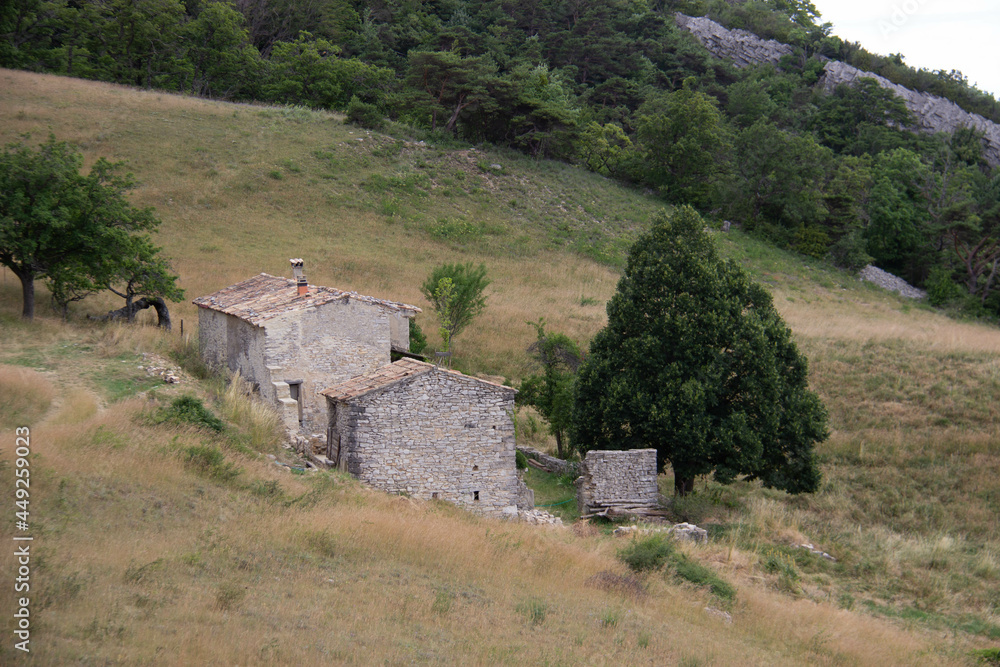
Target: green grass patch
[556, 494]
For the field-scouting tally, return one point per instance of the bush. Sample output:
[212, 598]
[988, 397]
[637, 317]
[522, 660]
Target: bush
[941, 289]
[211, 462]
[366, 115]
[850, 252]
[520, 460]
[700, 575]
[647, 553]
[190, 410]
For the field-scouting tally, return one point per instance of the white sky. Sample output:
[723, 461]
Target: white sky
[931, 34]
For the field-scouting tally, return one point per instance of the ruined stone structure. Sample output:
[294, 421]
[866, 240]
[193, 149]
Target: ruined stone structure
[617, 480]
[932, 113]
[428, 432]
[292, 340]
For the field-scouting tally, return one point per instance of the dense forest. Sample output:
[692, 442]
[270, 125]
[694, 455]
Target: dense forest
[613, 85]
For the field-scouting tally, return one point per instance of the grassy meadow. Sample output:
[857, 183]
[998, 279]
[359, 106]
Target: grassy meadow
[159, 542]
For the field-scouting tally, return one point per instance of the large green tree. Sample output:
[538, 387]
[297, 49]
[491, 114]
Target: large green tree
[79, 231]
[696, 363]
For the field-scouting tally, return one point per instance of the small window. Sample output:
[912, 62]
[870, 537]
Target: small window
[475, 467]
[434, 496]
[475, 495]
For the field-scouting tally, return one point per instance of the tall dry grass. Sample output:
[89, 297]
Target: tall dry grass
[25, 395]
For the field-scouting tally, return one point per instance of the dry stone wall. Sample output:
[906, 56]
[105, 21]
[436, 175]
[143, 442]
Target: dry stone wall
[434, 435]
[623, 480]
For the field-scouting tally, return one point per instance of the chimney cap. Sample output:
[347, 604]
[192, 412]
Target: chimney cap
[298, 262]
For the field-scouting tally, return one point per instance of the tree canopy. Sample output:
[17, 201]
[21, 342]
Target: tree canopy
[456, 293]
[696, 363]
[77, 231]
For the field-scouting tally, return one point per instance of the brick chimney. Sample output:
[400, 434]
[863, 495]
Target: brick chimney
[300, 276]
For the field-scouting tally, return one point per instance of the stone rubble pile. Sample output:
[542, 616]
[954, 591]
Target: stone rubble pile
[156, 367]
[539, 517]
[887, 281]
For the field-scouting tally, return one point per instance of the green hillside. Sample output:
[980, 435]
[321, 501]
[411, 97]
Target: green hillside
[161, 542]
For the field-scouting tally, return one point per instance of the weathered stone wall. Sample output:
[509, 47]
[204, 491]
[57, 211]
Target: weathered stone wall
[327, 345]
[619, 479]
[229, 343]
[434, 435]
[740, 47]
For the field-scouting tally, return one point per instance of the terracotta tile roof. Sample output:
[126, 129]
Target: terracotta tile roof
[389, 375]
[264, 296]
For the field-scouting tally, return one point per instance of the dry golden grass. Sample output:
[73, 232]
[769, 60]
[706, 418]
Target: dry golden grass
[25, 395]
[148, 561]
[151, 561]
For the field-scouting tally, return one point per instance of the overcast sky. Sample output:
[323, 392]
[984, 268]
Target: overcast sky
[931, 34]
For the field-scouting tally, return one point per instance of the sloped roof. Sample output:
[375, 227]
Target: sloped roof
[264, 296]
[391, 374]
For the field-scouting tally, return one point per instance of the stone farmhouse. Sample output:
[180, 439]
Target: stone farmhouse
[415, 428]
[323, 357]
[291, 340]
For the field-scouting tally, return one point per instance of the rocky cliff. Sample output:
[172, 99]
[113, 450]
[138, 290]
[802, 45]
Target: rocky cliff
[932, 113]
[739, 46]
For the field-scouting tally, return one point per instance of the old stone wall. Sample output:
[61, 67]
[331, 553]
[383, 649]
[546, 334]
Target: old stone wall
[327, 345]
[435, 435]
[229, 343]
[617, 479]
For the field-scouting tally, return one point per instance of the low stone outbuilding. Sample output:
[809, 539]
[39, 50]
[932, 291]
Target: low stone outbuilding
[622, 481]
[419, 429]
[292, 340]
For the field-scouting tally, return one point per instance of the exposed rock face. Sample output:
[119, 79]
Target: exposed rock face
[932, 113]
[741, 47]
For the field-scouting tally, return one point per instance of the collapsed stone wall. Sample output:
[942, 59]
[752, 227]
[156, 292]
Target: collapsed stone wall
[619, 480]
[932, 113]
[435, 435]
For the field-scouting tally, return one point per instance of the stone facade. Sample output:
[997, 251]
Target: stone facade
[419, 429]
[292, 344]
[624, 480]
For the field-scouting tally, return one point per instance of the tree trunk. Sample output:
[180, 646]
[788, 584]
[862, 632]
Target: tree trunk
[683, 485]
[128, 311]
[27, 293]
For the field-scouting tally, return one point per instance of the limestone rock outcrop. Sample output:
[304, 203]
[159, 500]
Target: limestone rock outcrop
[739, 46]
[932, 113]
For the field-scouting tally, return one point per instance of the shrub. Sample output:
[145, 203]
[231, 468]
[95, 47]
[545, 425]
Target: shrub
[190, 410]
[700, 575]
[364, 114]
[850, 252]
[647, 553]
[211, 462]
[520, 460]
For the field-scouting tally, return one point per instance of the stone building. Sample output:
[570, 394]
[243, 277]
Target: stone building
[617, 480]
[292, 340]
[429, 432]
